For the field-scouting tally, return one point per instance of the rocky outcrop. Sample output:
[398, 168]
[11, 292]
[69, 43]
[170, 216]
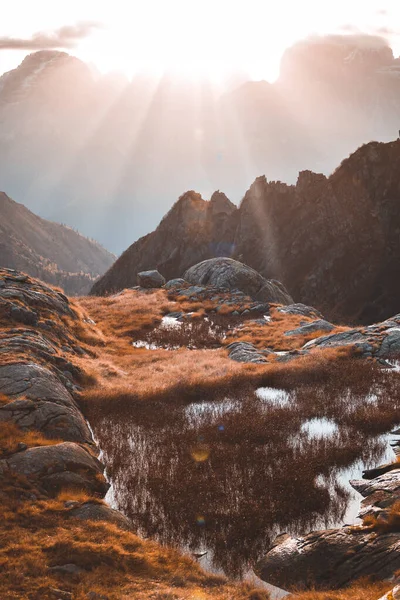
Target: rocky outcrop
[349, 553]
[38, 383]
[233, 275]
[332, 241]
[381, 340]
[52, 252]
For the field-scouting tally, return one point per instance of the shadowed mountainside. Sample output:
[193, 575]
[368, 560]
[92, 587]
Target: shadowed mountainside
[333, 242]
[55, 253]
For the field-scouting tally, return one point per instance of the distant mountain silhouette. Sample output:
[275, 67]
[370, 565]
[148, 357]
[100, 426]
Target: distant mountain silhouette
[109, 156]
[52, 252]
[333, 242]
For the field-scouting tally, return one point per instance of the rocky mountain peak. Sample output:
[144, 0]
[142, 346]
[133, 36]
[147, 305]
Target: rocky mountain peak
[219, 203]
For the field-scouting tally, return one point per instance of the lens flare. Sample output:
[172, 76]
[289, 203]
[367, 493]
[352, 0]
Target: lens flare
[200, 452]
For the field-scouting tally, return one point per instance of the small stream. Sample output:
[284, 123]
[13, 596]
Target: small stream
[221, 478]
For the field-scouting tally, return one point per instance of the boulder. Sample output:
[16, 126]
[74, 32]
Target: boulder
[174, 283]
[150, 279]
[390, 347]
[348, 554]
[302, 310]
[34, 382]
[233, 275]
[247, 353]
[57, 467]
[320, 325]
[92, 511]
[394, 594]
[52, 420]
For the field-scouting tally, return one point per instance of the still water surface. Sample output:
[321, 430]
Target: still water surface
[224, 477]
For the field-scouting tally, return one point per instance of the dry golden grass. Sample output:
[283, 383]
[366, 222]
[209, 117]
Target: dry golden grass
[11, 436]
[389, 522]
[362, 590]
[36, 536]
[117, 372]
[272, 334]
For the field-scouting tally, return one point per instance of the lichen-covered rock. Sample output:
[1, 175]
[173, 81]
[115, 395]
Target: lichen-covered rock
[233, 275]
[150, 279]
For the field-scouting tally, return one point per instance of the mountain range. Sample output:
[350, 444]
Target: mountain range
[109, 156]
[52, 252]
[334, 242]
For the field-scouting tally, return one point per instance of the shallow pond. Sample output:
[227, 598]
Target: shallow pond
[223, 477]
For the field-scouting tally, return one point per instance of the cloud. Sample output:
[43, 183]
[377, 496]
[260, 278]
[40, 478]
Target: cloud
[64, 37]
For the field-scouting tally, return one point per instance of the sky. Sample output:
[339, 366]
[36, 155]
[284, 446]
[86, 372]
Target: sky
[197, 38]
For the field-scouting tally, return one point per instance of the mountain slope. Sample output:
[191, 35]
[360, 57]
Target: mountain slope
[55, 253]
[333, 242]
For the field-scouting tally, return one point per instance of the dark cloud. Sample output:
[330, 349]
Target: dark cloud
[64, 37]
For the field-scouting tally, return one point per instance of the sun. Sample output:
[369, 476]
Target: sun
[187, 52]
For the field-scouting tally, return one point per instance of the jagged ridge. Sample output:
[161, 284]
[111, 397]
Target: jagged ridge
[332, 241]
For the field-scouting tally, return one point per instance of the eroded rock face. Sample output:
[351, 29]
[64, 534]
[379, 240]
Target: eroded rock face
[233, 275]
[39, 380]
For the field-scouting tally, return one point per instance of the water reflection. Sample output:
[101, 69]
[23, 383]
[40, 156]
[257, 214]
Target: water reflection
[227, 476]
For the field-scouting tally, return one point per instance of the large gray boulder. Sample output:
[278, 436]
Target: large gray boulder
[231, 274]
[33, 382]
[150, 279]
[57, 467]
